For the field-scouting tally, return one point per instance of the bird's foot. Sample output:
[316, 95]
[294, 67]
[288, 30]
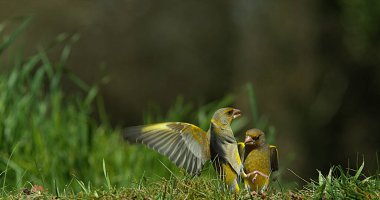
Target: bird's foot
[254, 178]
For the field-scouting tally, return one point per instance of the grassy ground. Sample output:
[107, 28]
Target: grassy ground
[51, 146]
[341, 186]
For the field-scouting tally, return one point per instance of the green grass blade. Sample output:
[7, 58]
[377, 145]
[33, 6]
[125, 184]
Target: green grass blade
[358, 173]
[12, 37]
[108, 182]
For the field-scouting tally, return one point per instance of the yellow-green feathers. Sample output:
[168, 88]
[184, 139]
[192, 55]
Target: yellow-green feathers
[259, 160]
[224, 152]
[190, 147]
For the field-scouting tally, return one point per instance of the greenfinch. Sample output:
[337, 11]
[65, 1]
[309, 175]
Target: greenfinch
[259, 160]
[189, 147]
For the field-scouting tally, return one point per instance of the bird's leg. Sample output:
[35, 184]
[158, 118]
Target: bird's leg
[243, 175]
[256, 172]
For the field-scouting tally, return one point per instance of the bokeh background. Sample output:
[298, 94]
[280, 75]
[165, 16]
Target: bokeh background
[315, 65]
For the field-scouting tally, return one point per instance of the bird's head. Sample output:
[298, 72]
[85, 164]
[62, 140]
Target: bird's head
[254, 138]
[224, 116]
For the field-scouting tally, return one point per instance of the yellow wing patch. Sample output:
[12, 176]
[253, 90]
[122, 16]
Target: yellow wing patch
[237, 157]
[154, 127]
[241, 148]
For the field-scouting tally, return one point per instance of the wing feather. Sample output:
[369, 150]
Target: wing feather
[182, 156]
[184, 144]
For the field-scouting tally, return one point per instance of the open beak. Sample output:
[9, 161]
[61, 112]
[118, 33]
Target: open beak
[236, 113]
[248, 140]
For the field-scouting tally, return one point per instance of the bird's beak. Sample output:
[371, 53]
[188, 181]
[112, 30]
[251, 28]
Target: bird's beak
[236, 113]
[248, 140]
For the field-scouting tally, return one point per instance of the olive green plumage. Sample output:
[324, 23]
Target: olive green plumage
[224, 151]
[189, 147]
[259, 160]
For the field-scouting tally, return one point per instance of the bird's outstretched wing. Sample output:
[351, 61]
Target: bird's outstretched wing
[186, 145]
[273, 158]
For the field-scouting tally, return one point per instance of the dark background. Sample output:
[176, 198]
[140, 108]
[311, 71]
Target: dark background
[314, 64]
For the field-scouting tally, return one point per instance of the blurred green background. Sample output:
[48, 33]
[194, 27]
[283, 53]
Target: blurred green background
[314, 67]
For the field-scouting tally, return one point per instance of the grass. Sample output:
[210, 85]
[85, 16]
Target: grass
[338, 184]
[51, 145]
[50, 138]
[343, 184]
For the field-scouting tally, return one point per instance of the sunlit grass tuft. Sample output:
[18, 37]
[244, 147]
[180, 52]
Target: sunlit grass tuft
[343, 184]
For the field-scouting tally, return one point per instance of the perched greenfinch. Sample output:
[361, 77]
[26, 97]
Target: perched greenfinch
[189, 147]
[259, 160]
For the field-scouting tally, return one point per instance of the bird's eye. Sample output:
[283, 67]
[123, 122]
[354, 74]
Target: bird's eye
[230, 112]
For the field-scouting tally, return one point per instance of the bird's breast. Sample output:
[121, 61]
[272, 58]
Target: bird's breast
[258, 159]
